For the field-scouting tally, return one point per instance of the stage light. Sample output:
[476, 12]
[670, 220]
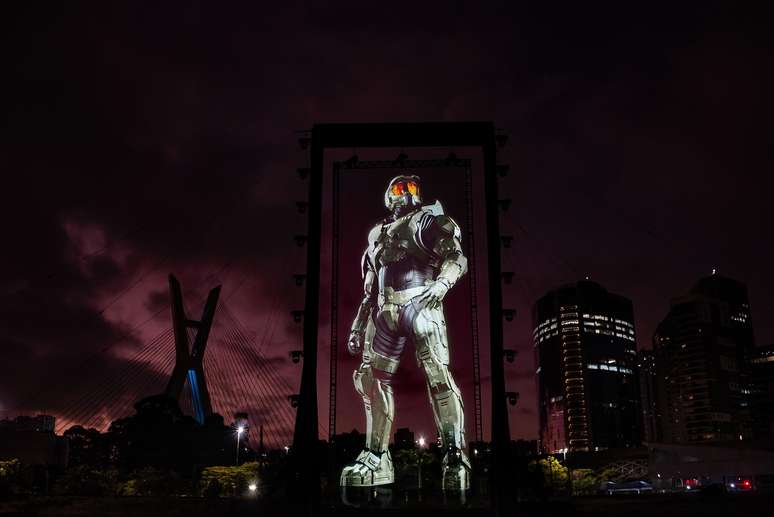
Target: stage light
[513, 397]
[510, 355]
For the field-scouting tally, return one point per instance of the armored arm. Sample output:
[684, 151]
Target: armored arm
[449, 247]
[445, 237]
[356, 334]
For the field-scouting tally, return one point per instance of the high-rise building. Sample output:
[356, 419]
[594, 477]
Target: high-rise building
[762, 387]
[646, 373]
[701, 350]
[40, 423]
[404, 438]
[586, 359]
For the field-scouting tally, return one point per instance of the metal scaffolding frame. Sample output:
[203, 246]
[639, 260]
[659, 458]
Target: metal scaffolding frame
[304, 472]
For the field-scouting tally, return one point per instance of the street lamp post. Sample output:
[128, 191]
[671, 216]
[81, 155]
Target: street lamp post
[419, 461]
[240, 430]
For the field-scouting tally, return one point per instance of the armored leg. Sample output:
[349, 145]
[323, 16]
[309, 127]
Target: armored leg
[433, 357]
[374, 464]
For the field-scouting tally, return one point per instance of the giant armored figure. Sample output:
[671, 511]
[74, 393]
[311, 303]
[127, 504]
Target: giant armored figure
[413, 258]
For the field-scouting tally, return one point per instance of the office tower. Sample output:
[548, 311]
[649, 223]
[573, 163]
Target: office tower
[646, 374]
[586, 359]
[762, 392]
[701, 350]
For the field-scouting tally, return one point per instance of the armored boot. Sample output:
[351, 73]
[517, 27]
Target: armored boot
[369, 469]
[456, 470]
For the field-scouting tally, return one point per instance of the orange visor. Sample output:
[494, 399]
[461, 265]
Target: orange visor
[401, 187]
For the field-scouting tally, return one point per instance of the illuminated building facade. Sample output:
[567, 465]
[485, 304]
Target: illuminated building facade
[586, 361]
[762, 381]
[646, 373]
[701, 352]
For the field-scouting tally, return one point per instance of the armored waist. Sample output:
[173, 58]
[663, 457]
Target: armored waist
[402, 297]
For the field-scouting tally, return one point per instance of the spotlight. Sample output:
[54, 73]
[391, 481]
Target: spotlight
[296, 355]
[507, 277]
[301, 206]
[299, 279]
[509, 314]
[297, 315]
[301, 240]
[512, 396]
[509, 354]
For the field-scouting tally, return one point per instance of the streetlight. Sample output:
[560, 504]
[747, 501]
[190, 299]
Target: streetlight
[240, 430]
[252, 487]
[421, 443]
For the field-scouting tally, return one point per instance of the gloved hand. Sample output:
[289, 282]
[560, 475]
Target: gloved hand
[433, 295]
[355, 342]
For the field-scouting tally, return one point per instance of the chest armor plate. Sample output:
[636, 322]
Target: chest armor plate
[394, 243]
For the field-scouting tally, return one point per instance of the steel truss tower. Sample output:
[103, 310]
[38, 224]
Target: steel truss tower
[189, 362]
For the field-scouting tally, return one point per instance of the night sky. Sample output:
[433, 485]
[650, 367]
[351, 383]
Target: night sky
[143, 140]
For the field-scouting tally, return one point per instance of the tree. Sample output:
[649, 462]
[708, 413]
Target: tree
[9, 477]
[87, 447]
[554, 473]
[149, 481]
[584, 482]
[88, 481]
[232, 480]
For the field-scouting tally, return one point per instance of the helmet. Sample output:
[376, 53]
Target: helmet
[402, 194]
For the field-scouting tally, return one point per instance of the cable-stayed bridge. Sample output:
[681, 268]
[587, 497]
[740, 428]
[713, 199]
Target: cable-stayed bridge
[240, 377]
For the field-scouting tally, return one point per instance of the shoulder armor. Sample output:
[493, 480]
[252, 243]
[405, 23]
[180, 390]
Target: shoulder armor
[449, 226]
[435, 209]
[374, 233]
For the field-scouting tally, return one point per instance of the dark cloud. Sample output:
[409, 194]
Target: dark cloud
[141, 142]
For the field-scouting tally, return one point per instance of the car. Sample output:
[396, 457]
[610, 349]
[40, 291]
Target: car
[739, 484]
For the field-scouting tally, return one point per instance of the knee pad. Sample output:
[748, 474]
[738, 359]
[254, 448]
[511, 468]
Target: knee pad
[363, 379]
